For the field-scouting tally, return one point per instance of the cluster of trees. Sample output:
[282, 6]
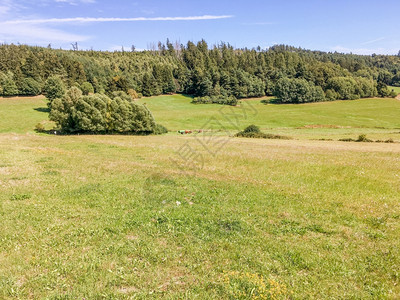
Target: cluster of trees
[225, 100]
[298, 91]
[221, 71]
[98, 113]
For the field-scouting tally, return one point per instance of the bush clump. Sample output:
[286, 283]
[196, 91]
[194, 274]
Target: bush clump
[87, 88]
[253, 131]
[224, 100]
[53, 88]
[388, 141]
[39, 127]
[30, 87]
[288, 90]
[98, 113]
[160, 129]
[362, 138]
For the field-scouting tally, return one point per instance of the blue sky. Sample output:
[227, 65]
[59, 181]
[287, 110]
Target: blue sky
[362, 27]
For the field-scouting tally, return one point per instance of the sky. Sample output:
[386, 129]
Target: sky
[361, 27]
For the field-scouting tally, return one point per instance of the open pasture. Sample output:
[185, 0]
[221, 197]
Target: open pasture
[112, 217]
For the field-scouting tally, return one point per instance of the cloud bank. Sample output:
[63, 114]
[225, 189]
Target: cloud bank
[95, 20]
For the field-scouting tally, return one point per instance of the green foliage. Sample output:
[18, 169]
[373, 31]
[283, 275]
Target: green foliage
[39, 127]
[363, 138]
[53, 88]
[392, 94]
[252, 128]
[331, 95]
[224, 100]
[98, 113]
[30, 87]
[298, 91]
[134, 95]
[160, 129]
[383, 91]
[200, 70]
[7, 84]
[253, 131]
[150, 86]
[87, 88]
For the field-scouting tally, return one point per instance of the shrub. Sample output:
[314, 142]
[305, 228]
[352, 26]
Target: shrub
[383, 91]
[363, 138]
[345, 87]
[224, 100]
[134, 95]
[347, 140]
[253, 131]
[87, 88]
[331, 95]
[298, 91]
[392, 94]
[160, 129]
[251, 128]
[389, 141]
[7, 84]
[39, 127]
[9, 88]
[30, 87]
[256, 135]
[53, 88]
[98, 113]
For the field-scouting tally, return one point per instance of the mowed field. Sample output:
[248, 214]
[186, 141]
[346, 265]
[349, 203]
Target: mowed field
[378, 118]
[395, 88]
[114, 217]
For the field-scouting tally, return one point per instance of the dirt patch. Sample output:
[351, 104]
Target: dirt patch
[132, 237]
[24, 97]
[128, 290]
[312, 126]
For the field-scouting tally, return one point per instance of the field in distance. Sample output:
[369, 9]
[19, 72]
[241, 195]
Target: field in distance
[114, 217]
[378, 118]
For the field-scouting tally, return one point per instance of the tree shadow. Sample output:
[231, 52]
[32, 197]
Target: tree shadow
[271, 101]
[42, 109]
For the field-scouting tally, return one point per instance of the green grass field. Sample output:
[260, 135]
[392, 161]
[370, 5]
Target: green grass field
[113, 217]
[395, 88]
[378, 118]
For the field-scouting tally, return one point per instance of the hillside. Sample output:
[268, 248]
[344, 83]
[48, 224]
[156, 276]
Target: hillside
[219, 71]
[113, 216]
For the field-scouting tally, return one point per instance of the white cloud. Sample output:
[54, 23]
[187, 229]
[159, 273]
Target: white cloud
[36, 34]
[7, 7]
[94, 20]
[4, 9]
[17, 27]
[76, 2]
[29, 33]
[373, 41]
[364, 51]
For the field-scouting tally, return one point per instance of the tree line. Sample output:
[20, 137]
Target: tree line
[213, 74]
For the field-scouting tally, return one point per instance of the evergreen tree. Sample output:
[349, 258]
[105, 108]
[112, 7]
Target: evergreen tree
[30, 87]
[53, 88]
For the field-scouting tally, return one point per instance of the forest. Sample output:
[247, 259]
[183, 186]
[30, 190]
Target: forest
[213, 74]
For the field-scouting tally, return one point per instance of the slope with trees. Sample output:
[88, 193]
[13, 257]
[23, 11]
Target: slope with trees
[220, 71]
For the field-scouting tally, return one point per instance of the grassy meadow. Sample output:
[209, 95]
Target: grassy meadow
[395, 88]
[113, 217]
[378, 118]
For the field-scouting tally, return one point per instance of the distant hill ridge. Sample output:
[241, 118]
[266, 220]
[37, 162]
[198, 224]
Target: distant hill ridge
[292, 74]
